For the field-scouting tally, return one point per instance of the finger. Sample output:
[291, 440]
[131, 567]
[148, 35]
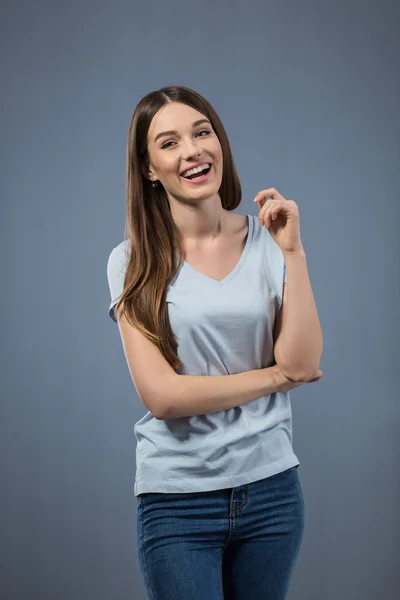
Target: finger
[268, 206]
[268, 214]
[272, 208]
[264, 213]
[272, 192]
[269, 192]
[317, 376]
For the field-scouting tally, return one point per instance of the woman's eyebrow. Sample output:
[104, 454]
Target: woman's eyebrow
[172, 131]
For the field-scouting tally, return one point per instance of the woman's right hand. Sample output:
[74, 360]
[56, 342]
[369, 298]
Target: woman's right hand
[285, 384]
[316, 377]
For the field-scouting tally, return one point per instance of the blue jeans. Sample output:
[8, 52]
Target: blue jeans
[237, 543]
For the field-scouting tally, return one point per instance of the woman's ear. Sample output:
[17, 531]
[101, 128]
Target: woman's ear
[147, 173]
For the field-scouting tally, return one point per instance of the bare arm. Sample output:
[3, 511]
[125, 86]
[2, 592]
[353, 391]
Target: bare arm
[198, 394]
[298, 339]
[168, 395]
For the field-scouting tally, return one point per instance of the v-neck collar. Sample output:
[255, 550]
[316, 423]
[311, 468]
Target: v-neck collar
[236, 269]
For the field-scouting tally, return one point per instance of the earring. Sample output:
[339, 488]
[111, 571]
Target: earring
[154, 184]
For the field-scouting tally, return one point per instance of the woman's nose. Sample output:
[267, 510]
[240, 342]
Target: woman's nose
[190, 148]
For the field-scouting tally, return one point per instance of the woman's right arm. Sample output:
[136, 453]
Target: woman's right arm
[168, 395]
[198, 394]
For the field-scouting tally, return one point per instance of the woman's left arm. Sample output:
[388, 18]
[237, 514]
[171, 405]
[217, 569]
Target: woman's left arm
[298, 339]
[297, 332]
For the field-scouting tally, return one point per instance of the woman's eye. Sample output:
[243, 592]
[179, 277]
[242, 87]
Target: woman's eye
[202, 131]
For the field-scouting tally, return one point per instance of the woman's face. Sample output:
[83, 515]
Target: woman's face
[172, 154]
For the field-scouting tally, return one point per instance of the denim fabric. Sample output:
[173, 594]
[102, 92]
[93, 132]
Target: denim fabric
[236, 543]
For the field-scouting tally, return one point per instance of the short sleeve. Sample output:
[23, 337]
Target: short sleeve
[116, 267]
[284, 272]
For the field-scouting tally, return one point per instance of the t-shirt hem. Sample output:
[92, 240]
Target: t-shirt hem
[199, 485]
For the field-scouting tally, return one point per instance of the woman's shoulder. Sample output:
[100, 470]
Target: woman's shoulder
[119, 256]
[123, 248]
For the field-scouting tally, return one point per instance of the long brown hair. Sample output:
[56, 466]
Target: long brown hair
[155, 241]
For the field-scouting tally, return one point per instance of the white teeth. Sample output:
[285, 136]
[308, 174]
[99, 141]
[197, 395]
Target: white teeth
[196, 170]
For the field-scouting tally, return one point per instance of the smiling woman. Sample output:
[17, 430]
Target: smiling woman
[216, 440]
[174, 151]
[172, 131]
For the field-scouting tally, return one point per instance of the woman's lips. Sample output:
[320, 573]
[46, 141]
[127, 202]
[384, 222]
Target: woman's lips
[204, 178]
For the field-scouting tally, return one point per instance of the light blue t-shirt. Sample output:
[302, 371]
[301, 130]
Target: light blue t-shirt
[222, 327]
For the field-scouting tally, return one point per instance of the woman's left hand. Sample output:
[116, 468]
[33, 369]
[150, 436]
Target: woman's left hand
[281, 218]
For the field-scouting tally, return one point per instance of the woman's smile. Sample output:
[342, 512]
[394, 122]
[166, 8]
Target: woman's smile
[199, 178]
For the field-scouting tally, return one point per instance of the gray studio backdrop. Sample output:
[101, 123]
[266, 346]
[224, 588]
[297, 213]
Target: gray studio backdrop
[309, 95]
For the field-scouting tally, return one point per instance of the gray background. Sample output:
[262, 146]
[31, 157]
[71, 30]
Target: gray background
[309, 95]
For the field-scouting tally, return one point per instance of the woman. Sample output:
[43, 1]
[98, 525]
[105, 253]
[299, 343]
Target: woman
[196, 291]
